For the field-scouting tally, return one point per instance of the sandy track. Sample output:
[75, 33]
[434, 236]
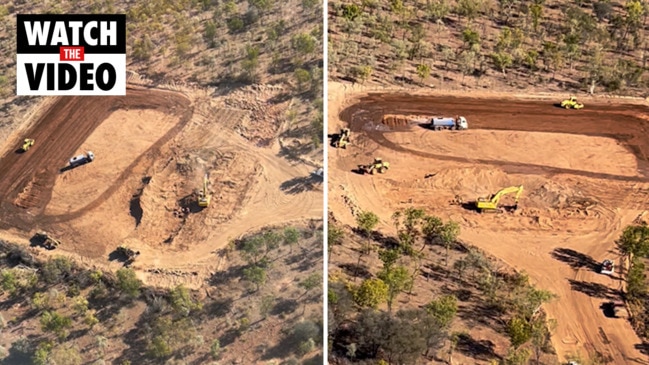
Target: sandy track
[530, 239]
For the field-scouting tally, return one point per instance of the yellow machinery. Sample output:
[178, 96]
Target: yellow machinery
[203, 196]
[343, 138]
[378, 165]
[27, 144]
[491, 204]
[571, 103]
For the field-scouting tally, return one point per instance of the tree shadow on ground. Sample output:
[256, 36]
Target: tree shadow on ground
[643, 348]
[293, 153]
[595, 290]
[574, 259]
[19, 353]
[482, 313]
[299, 184]
[224, 277]
[285, 306]
[477, 349]
[136, 351]
[387, 242]
[219, 307]
[229, 337]
[356, 270]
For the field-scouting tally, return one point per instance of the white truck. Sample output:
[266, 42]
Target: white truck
[82, 159]
[457, 123]
[439, 123]
[607, 267]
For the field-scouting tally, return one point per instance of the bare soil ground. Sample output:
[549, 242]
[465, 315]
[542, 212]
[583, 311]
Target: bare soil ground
[577, 196]
[152, 150]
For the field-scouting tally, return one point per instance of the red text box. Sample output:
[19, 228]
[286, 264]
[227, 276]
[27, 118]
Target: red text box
[71, 53]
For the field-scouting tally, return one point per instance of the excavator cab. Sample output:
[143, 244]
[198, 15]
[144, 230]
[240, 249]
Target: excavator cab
[491, 204]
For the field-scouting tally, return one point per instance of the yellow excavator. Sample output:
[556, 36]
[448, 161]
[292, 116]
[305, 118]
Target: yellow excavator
[490, 204]
[343, 138]
[204, 197]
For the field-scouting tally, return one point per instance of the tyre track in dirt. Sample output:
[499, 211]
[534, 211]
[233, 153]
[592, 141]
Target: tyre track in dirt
[622, 124]
[59, 133]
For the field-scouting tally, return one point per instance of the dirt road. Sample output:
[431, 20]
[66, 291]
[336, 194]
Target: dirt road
[576, 201]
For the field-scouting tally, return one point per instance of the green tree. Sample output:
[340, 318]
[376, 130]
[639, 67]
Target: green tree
[437, 10]
[371, 293]
[56, 323]
[389, 258]
[636, 280]
[128, 282]
[634, 241]
[470, 37]
[291, 237]
[398, 280]
[251, 63]
[42, 353]
[449, 233]
[182, 302]
[252, 249]
[303, 44]
[311, 282]
[519, 331]
[256, 275]
[423, 71]
[443, 310]
[334, 236]
[366, 222]
[302, 77]
[502, 61]
[215, 349]
[408, 223]
[469, 8]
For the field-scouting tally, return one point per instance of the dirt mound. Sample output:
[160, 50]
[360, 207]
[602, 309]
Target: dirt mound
[401, 120]
[395, 120]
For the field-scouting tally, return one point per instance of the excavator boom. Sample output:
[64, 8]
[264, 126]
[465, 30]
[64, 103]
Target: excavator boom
[492, 204]
[204, 197]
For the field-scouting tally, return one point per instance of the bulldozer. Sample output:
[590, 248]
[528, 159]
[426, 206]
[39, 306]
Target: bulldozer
[27, 143]
[343, 138]
[378, 165]
[47, 241]
[204, 197]
[571, 103]
[490, 204]
[129, 254]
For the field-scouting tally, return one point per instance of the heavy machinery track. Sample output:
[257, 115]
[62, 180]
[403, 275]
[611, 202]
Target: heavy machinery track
[28, 178]
[622, 123]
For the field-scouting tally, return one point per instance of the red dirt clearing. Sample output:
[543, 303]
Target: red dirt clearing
[561, 156]
[27, 178]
